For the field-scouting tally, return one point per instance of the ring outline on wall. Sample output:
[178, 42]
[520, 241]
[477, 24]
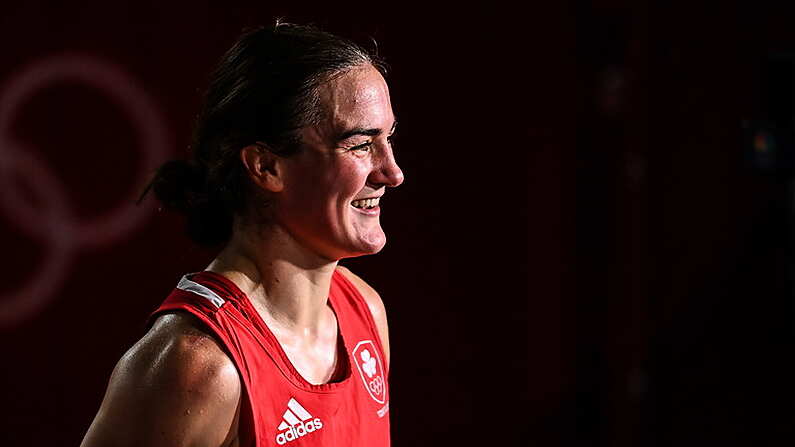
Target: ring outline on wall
[57, 226]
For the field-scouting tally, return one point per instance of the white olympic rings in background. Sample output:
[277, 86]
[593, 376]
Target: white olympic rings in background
[52, 220]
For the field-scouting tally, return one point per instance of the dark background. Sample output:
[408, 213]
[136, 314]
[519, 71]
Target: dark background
[684, 315]
[454, 275]
[583, 252]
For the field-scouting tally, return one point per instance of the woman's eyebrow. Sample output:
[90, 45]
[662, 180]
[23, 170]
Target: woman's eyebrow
[362, 131]
[359, 131]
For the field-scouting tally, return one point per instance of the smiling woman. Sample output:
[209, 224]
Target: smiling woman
[273, 342]
[330, 177]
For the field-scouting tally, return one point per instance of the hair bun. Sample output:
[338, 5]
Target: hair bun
[180, 185]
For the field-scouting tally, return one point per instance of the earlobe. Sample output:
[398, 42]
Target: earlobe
[263, 166]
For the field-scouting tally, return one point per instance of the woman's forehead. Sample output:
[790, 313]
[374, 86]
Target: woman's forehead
[357, 98]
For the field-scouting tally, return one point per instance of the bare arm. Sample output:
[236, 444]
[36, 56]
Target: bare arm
[175, 387]
[375, 304]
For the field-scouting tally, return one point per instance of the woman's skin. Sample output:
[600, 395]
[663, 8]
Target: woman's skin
[176, 386]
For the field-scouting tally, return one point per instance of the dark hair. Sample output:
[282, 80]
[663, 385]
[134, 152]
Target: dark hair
[264, 90]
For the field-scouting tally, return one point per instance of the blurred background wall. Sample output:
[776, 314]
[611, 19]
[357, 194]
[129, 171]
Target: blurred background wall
[94, 95]
[684, 223]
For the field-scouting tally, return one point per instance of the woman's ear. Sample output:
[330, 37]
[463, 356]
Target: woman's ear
[263, 166]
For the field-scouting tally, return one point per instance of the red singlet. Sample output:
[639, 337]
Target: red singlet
[281, 407]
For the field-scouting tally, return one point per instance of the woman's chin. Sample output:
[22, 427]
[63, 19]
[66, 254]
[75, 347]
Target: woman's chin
[367, 246]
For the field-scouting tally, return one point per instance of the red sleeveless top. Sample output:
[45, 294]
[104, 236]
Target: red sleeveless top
[279, 406]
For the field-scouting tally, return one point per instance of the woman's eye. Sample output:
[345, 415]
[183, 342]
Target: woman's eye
[362, 147]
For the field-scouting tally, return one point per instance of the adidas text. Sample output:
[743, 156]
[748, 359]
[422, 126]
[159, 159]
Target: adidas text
[298, 430]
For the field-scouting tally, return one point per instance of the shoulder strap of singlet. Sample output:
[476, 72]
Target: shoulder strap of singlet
[353, 295]
[200, 294]
[358, 304]
[190, 286]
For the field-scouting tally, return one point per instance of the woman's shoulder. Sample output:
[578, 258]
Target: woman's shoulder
[174, 386]
[181, 344]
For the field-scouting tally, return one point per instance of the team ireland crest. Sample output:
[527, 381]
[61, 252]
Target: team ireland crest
[368, 362]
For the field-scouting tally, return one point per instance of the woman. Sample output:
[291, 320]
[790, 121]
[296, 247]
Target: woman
[274, 343]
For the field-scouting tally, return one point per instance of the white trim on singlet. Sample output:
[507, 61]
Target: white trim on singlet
[194, 287]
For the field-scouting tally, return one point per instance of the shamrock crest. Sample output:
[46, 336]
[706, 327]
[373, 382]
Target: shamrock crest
[368, 363]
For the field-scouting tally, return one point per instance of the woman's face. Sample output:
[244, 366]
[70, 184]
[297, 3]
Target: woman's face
[330, 201]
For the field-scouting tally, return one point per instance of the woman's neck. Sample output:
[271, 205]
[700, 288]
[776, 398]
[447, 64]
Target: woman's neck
[284, 280]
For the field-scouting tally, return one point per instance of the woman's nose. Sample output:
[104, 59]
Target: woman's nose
[387, 172]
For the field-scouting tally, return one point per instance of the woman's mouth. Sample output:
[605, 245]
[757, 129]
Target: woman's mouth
[366, 203]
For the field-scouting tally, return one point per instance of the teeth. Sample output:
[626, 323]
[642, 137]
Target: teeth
[366, 203]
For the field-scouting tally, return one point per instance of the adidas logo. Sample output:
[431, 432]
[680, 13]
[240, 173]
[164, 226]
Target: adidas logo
[294, 423]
